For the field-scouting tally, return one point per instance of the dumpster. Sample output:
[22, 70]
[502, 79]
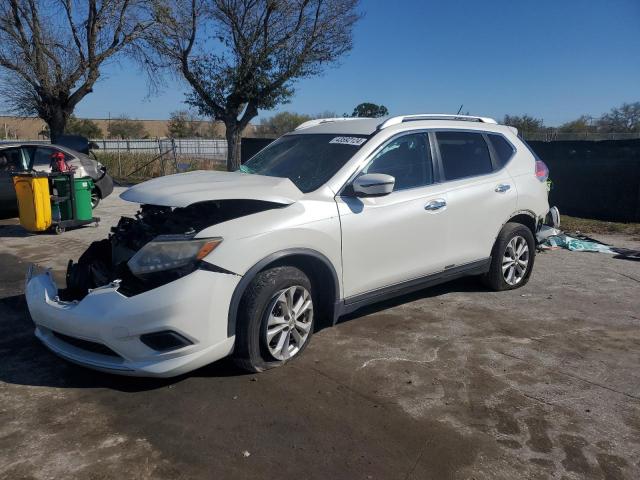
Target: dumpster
[34, 206]
[81, 196]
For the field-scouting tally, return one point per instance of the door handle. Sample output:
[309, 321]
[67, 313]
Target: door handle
[435, 205]
[502, 187]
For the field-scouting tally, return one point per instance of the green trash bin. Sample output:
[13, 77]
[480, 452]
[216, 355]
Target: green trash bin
[82, 197]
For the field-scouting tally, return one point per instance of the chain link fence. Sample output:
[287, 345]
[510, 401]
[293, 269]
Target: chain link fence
[192, 148]
[139, 159]
[555, 136]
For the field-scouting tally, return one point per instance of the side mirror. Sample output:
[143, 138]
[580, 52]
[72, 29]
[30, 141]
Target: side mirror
[373, 185]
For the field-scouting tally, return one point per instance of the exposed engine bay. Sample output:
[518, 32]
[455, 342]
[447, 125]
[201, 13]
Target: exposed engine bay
[105, 261]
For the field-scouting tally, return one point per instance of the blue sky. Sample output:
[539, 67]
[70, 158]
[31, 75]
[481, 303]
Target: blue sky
[554, 59]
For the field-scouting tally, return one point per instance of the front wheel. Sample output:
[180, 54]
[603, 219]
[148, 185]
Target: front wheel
[275, 319]
[95, 198]
[512, 258]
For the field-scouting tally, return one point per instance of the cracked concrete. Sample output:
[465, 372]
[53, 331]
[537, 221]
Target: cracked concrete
[451, 382]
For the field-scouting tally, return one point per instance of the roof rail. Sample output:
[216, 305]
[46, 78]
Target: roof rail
[318, 121]
[433, 116]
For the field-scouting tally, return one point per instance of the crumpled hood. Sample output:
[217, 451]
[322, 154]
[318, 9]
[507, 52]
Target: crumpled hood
[184, 189]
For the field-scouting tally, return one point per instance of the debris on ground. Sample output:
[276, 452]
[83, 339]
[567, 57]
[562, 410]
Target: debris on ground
[550, 238]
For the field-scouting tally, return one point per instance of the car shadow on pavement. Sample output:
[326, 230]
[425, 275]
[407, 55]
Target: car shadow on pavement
[25, 361]
[466, 284]
[14, 231]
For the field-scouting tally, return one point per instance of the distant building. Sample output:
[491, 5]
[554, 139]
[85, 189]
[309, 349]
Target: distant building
[33, 128]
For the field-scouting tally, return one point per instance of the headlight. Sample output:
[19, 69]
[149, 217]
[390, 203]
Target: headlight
[167, 252]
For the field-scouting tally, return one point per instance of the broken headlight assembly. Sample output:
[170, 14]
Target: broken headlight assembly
[170, 252]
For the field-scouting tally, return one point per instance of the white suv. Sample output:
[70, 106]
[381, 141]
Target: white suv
[338, 214]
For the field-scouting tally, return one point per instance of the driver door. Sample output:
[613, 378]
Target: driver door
[398, 237]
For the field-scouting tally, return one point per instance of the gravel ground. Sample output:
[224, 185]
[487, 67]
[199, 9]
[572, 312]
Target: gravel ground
[450, 382]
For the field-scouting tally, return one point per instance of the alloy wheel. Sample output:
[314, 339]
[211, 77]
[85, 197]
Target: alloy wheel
[515, 261]
[289, 322]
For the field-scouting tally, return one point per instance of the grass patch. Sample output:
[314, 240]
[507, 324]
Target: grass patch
[130, 167]
[585, 225]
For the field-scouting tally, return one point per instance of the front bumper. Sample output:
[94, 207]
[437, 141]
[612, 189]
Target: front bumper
[195, 306]
[105, 185]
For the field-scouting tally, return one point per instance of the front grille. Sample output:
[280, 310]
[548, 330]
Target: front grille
[92, 347]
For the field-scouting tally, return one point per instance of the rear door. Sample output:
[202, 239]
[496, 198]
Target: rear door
[394, 238]
[481, 195]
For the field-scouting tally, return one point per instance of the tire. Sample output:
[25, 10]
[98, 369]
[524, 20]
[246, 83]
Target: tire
[95, 198]
[262, 312]
[504, 255]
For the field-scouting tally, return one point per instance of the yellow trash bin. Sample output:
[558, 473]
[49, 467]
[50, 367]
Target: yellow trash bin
[34, 202]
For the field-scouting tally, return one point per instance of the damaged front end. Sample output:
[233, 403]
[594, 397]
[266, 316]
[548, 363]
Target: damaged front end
[157, 246]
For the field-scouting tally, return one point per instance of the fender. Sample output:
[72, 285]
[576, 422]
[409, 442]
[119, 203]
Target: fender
[253, 271]
[528, 213]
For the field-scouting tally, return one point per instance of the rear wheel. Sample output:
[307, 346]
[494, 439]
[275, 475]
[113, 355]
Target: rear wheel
[275, 319]
[511, 259]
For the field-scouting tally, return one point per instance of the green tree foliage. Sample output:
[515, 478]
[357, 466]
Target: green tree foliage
[582, 124]
[281, 123]
[525, 123]
[85, 127]
[370, 110]
[622, 119]
[124, 127]
[183, 124]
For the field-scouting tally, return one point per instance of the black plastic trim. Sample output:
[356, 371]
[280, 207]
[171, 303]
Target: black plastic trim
[210, 267]
[253, 271]
[86, 345]
[358, 301]
[165, 340]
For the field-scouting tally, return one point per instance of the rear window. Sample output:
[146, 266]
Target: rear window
[463, 154]
[504, 150]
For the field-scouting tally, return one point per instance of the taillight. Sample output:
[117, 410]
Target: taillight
[542, 171]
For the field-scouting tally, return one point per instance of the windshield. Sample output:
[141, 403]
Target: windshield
[307, 160]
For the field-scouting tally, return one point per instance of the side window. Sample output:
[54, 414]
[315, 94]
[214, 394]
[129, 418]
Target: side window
[504, 150]
[42, 158]
[11, 160]
[407, 159]
[464, 154]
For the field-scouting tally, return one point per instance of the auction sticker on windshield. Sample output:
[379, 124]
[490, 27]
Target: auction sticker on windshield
[355, 141]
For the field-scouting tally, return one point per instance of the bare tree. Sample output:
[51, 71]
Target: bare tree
[240, 56]
[51, 51]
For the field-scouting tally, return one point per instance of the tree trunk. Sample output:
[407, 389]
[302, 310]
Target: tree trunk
[57, 123]
[234, 145]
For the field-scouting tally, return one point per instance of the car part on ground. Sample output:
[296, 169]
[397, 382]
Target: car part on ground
[578, 242]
